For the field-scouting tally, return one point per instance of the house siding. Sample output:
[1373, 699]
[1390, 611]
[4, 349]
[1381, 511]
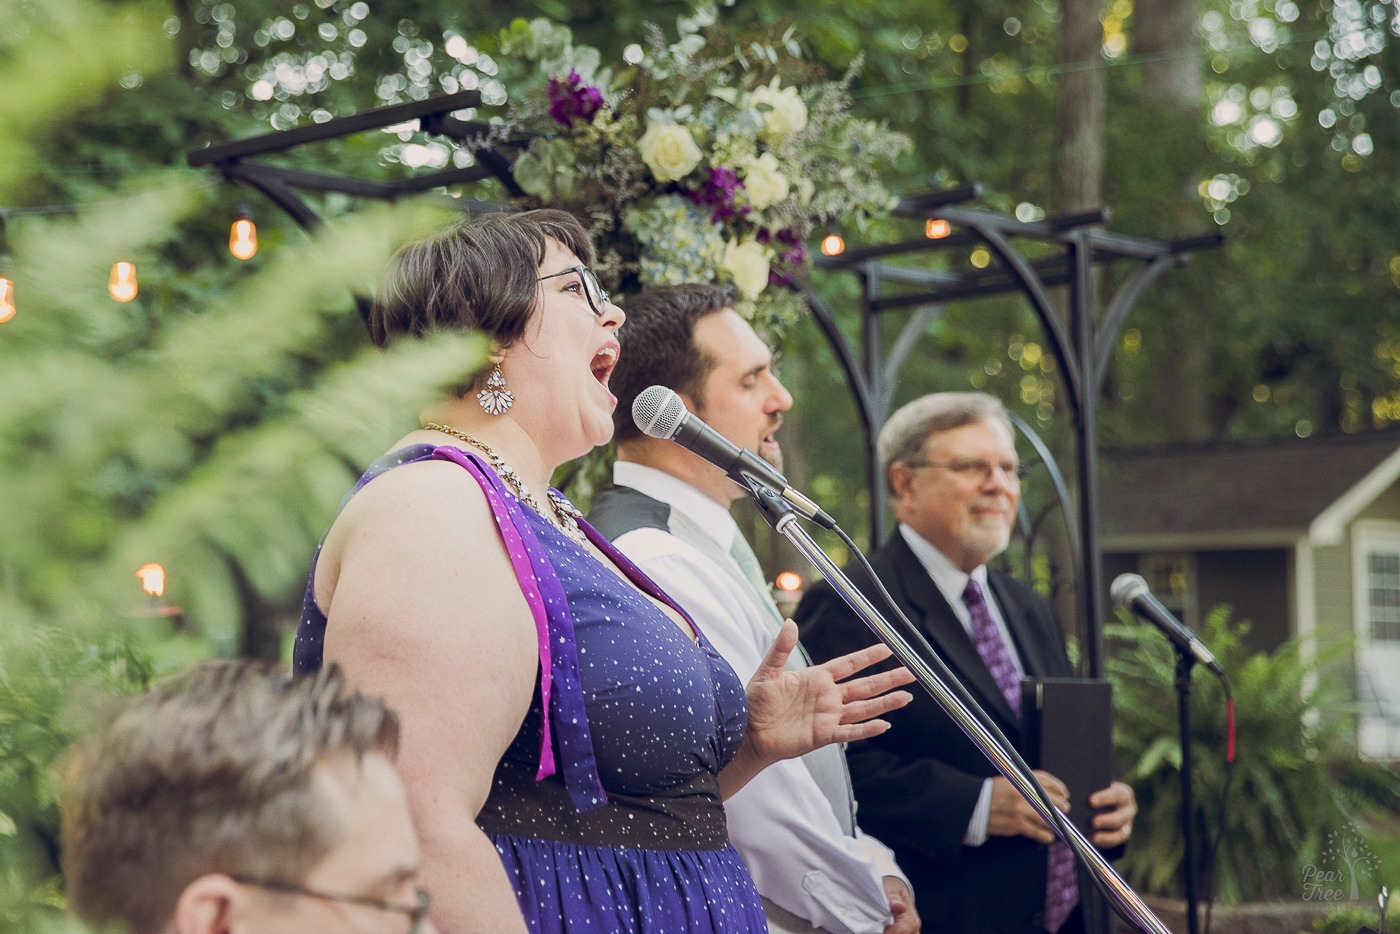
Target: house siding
[1332, 568]
[1386, 506]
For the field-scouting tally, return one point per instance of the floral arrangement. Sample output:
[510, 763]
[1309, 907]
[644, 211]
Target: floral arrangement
[695, 163]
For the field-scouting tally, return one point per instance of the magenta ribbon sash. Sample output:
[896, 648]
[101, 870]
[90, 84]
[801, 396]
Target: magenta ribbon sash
[561, 688]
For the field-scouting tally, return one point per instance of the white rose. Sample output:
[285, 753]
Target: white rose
[805, 190]
[669, 151]
[764, 181]
[782, 109]
[747, 265]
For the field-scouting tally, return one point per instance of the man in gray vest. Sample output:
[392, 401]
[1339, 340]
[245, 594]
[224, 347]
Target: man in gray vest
[669, 512]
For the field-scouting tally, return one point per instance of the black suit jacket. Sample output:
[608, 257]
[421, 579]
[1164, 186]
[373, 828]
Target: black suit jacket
[917, 784]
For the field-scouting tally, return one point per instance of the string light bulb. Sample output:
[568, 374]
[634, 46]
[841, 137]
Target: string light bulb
[121, 285]
[152, 577]
[243, 235]
[833, 245]
[936, 228]
[7, 282]
[7, 294]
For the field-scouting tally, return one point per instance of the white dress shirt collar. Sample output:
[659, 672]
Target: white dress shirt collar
[951, 582]
[951, 579]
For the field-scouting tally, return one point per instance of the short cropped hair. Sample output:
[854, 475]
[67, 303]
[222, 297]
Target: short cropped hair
[210, 772]
[904, 434]
[481, 274]
[658, 345]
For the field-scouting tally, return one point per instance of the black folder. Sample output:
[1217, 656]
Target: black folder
[1069, 731]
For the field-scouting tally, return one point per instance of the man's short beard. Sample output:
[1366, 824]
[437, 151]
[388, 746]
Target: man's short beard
[978, 537]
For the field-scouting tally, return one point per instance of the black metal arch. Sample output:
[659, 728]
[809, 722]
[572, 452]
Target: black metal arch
[1081, 346]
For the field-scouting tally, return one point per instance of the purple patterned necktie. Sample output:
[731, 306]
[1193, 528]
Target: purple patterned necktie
[1061, 885]
[992, 647]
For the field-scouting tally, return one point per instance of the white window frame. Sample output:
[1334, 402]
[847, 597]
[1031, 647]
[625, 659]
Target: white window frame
[1379, 737]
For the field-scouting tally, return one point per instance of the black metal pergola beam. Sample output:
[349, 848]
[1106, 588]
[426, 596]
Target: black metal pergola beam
[282, 140]
[281, 184]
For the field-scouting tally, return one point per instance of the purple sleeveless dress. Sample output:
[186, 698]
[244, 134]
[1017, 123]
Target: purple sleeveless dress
[605, 809]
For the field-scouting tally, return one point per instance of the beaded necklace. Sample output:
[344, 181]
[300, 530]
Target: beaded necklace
[564, 516]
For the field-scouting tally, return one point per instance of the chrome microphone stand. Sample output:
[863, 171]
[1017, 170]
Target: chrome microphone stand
[781, 515]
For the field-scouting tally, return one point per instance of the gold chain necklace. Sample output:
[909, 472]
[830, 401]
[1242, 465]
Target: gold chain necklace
[565, 516]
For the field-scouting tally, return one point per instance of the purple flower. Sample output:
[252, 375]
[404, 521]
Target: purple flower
[570, 99]
[718, 189]
[788, 264]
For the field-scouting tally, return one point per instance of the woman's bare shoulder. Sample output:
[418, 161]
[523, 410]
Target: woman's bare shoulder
[420, 542]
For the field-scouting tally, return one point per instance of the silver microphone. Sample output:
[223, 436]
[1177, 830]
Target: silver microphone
[1131, 592]
[660, 413]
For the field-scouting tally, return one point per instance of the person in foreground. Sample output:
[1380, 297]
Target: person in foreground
[669, 512]
[980, 859]
[569, 734]
[238, 799]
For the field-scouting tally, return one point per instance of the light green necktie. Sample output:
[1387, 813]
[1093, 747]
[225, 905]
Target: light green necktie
[827, 764]
[748, 563]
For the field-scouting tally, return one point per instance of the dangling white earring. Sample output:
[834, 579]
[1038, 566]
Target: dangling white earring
[495, 399]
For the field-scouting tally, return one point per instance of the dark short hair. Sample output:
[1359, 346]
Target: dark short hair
[904, 433]
[480, 274]
[211, 772]
[658, 345]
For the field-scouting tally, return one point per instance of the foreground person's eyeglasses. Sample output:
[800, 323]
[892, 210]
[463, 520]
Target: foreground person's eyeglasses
[416, 914]
[592, 288]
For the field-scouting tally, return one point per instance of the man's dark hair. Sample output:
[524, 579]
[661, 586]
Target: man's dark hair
[658, 345]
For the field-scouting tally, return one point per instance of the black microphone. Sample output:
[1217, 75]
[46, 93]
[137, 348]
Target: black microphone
[1130, 592]
[660, 413]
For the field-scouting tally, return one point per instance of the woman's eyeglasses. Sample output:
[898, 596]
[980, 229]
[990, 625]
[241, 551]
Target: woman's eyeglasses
[417, 913]
[592, 288]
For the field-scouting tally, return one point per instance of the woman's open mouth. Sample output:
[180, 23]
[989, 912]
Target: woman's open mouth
[604, 361]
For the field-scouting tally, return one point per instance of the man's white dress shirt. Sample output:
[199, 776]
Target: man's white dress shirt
[780, 822]
[951, 582]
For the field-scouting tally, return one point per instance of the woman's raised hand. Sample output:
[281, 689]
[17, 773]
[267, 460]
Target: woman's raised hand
[793, 712]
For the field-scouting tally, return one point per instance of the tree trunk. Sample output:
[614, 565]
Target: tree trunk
[1079, 145]
[1164, 36]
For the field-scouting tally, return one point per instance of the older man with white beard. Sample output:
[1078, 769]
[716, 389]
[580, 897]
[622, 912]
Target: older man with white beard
[979, 858]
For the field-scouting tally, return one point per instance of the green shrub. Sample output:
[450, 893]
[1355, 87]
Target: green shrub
[1347, 920]
[51, 682]
[1298, 777]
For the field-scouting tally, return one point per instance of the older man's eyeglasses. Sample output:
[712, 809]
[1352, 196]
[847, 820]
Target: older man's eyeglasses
[592, 288]
[980, 471]
[416, 913]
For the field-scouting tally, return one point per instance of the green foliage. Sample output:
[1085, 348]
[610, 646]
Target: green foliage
[37, 93]
[1348, 920]
[1297, 775]
[218, 444]
[51, 682]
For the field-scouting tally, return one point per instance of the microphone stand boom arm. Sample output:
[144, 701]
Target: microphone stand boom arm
[780, 514]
